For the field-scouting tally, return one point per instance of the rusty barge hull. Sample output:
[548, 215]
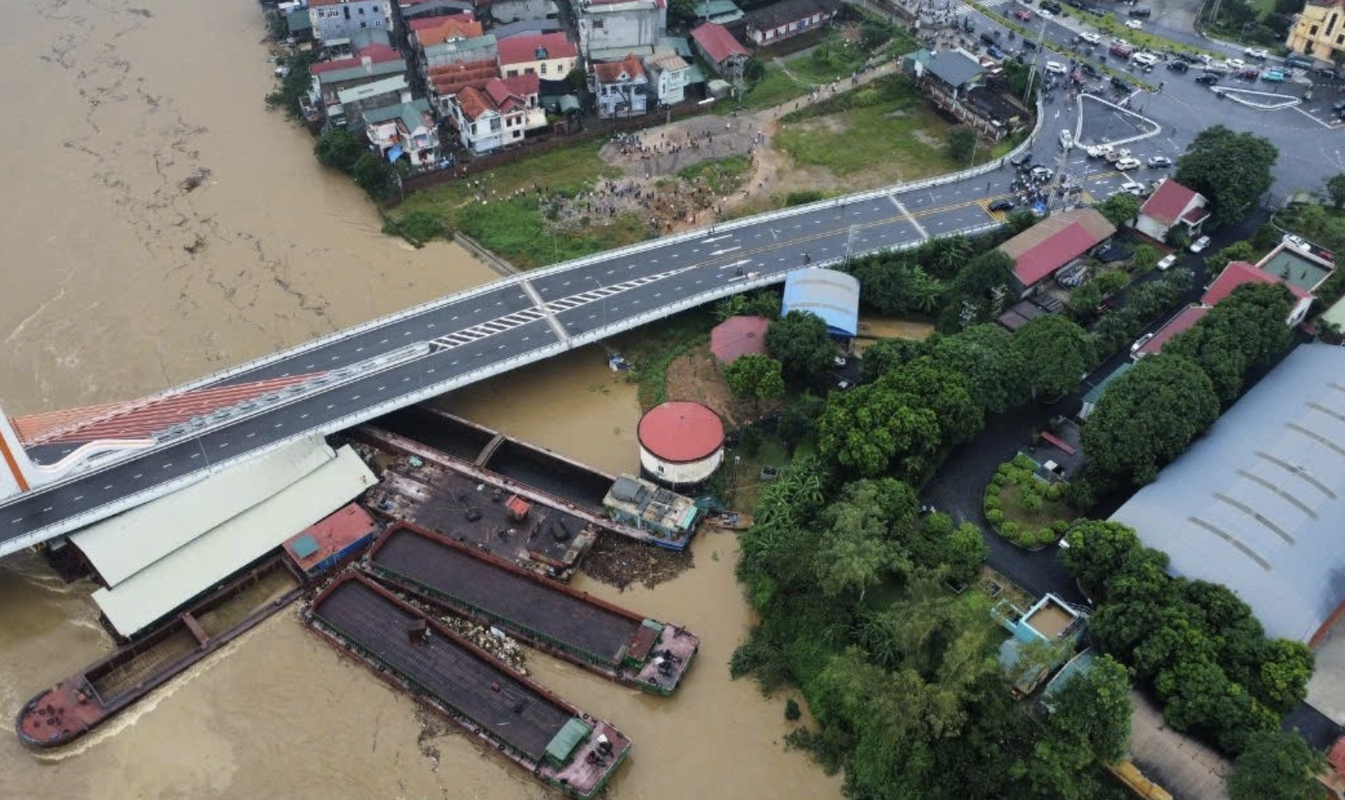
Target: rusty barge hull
[519, 719]
[589, 632]
[85, 700]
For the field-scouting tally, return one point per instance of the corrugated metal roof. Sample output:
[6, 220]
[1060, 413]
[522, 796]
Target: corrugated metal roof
[161, 588]
[127, 543]
[831, 295]
[1254, 504]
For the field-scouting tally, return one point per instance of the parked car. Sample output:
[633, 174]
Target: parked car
[1159, 162]
[1200, 244]
[1256, 54]
[1091, 38]
[1234, 63]
[1297, 242]
[1022, 158]
[1046, 14]
[1119, 85]
[1166, 262]
[1023, 14]
[1066, 140]
[1140, 11]
[1133, 188]
[1178, 66]
[1145, 59]
[1042, 173]
[1050, 5]
[1098, 150]
[1134, 24]
[1296, 61]
[1209, 79]
[1273, 76]
[1121, 50]
[1126, 164]
[1003, 204]
[1327, 72]
[994, 52]
[1090, 70]
[1140, 342]
[1056, 68]
[987, 39]
[1028, 44]
[1338, 108]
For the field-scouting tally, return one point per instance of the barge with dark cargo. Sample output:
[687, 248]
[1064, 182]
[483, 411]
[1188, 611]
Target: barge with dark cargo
[78, 704]
[528, 725]
[589, 632]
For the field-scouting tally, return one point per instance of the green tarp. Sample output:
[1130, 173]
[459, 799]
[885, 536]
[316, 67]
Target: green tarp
[567, 739]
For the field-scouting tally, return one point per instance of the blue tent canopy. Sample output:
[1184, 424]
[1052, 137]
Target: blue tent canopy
[395, 153]
[831, 295]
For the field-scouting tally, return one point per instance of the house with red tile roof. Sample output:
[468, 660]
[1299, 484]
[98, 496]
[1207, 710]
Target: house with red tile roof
[620, 87]
[418, 9]
[1183, 321]
[1053, 243]
[718, 47]
[550, 56]
[436, 30]
[1172, 204]
[498, 114]
[446, 80]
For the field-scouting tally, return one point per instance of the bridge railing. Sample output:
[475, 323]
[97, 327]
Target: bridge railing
[633, 249]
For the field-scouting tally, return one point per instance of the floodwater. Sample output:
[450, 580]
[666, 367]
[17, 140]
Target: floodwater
[163, 225]
[160, 223]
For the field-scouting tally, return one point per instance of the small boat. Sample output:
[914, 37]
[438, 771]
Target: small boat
[730, 521]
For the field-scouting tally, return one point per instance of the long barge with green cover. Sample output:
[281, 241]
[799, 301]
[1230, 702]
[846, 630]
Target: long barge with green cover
[528, 725]
[594, 634]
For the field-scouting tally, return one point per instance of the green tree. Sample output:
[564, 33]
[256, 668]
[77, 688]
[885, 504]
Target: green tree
[880, 358]
[866, 428]
[1276, 766]
[874, 33]
[1237, 251]
[965, 551]
[961, 143]
[800, 342]
[942, 390]
[799, 419]
[1019, 221]
[1232, 169]
[684, 13]
[337, 149]
[1120, 209]
[1335, 189]
[1148, 416]
[1145, 258]
[1245, 332]
[1098, 551]
[754, 375]
[375, 176]
[1281, 682]
[1057, 352]
[985, 355]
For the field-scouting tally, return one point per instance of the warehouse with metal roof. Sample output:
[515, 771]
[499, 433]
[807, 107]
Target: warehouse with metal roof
[1255, 504]
[831, 295]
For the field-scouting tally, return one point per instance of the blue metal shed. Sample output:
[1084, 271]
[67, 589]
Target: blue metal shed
[831, 295]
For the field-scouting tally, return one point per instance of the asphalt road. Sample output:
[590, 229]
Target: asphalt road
[487, 327]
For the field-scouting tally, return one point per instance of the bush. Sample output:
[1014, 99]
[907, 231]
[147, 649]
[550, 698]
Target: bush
[994, 489]
[996, 517]
[1024, 463]
[750, 441]
[804, 197]
[1045, 536]
[991, 501]
[1031, 502]
[792, 710]
[1053, 492]
[1060, 526]
[1009, 529]
[1000, 479]
[1079, 494]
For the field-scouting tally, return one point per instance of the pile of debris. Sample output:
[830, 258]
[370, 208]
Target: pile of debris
[618, 561]
[489, 638]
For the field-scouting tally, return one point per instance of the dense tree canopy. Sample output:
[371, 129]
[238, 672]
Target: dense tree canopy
[1120, 209]
[1148, 416]
[1057, 354]
[1245, 332]
[1276, 766]
[799, 341]
[995, 370]
[336, 148]
[1232, 169]
[755, 375]
[1098, 551]
[1335, 189]
[887, 355]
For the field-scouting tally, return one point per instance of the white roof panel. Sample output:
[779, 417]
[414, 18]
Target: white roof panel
[175, 579]
[123, 545]
[1254, 504]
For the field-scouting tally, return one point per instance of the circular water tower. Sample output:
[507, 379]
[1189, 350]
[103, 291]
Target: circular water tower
[681, 443]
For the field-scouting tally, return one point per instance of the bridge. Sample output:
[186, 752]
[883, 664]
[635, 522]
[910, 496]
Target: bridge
[357, 374]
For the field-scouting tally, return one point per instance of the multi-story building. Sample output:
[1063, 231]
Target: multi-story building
[337, 19]
[668, 76]
[371, 62]
[497, 115]
[549, 56]
[404, 129]
[1319, 30]
[610, 29]
[621, 88]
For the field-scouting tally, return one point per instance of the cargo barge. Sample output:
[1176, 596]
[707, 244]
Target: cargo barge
[532, 728]
[584, 499]
[589, 632]
[85, 700]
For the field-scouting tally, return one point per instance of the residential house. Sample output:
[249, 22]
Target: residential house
[719, 49]
[1236, 274]
[1055, 242]
[1319, 30]
[298, 24]
[498, 115]
[620, 88]
[957, 83]
[1042, 638]
[481, 48]
[419, 9]
[611, 29]
[428, 31]
[356, 100]
[448, 79]
[372, 63]
[720, 12]
[504, 12]
[788, 18]
[550, 56]
[336, 19]
[1172, 204]
[668, 75]
[525, 27]
[404, 129]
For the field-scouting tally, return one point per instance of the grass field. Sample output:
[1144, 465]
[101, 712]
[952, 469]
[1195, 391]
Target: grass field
[1051, 511]
[513, 228]
[724, 175]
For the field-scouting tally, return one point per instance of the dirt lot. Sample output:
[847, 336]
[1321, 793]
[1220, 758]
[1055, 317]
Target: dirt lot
[696, 376]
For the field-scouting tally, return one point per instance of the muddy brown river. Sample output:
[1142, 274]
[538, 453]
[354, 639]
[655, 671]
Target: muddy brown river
[163, 225]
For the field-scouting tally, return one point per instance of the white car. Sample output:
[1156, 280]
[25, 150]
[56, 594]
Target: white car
[1145, 59]
[1297, 242]
[1256, 53]
[1203, 58]
[1098, 150]
[1127, 164]
[1091, 38]
[1235, 63]
[1044, 14]
[1134, 24]
[1159, 162]
[1167, 261]
[1133, 188]
[1066, 140]
[1056, 68]
[1140, 342]
[1200, 244]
